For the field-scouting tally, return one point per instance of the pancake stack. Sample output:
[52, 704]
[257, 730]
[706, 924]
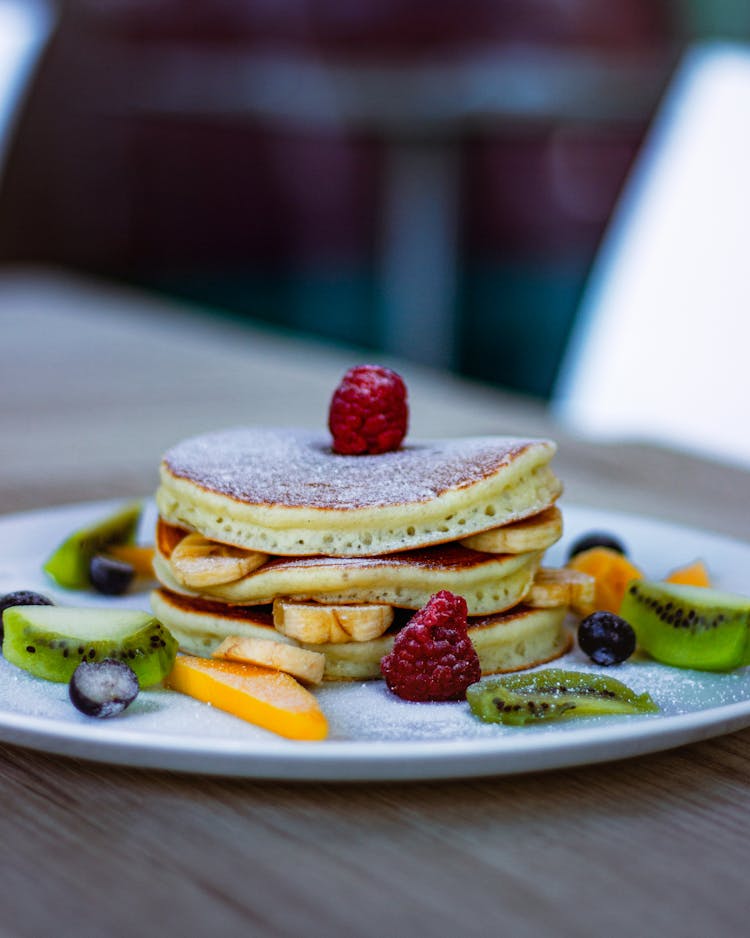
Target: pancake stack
[267, 533]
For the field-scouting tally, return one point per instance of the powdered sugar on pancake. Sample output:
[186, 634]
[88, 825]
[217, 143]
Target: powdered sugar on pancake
[297, 468]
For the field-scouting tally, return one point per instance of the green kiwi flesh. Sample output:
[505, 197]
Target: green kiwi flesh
[689, 626]
[69, 564]
[51, 643]
[553, 694]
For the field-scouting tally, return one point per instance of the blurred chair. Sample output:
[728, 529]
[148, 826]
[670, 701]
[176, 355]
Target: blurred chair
[422, 110]
[25, 27]
[661, 347]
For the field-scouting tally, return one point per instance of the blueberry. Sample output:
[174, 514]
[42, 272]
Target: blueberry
[103, 688]
[109, 575]
[606, 638]
[596, 539]
[21, 598]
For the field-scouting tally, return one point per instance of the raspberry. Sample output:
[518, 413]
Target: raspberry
[368, 412]
[433, 657]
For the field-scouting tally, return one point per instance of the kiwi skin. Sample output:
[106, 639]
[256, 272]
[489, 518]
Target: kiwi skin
[689, 626]
[53, 656]
[553, 694]
[68, 565]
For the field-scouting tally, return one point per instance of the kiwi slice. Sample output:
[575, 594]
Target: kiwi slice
[553, 694]
[689, 626]
[51, 641]
[69, 564]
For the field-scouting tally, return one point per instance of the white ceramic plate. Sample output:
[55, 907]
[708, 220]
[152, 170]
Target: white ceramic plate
[373, 736]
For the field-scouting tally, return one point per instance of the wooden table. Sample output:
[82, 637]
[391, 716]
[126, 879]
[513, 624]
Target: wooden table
[96, 383]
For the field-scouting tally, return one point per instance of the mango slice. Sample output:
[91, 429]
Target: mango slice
[612, 572]
[140, 558]
[267, 698]
[691, 574]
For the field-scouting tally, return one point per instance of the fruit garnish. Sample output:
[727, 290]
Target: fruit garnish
[69, 564]
[536, 533]
[51, 641]
[691, 574]
[109, 575]
[299, 662]
[139, 556]
[689, 626]
[368, 412]
[103, 688]
[554, 586]
[323, 623]
[596, 539]
[197, 561]
[553, 694]
[606, 638]
[21, 598]
[433, 657]
[612, 572]
[269, 699]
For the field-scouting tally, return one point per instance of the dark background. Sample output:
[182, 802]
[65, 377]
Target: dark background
[281, 219]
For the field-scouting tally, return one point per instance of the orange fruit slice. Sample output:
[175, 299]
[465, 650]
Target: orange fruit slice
[267, 698]
[141, 559]
[691, 574]
[612, 572]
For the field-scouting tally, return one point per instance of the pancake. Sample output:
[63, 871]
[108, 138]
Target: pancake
[285, 492]
[488, 582]
[513, 641]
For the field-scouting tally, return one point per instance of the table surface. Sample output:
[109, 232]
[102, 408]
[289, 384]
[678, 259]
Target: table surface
[97, 381]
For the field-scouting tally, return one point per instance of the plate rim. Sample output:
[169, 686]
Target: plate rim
[376, 760]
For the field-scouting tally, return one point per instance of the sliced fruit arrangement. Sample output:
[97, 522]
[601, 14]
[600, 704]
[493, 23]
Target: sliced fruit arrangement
[51, 641]
[269, 699]
[553, 694]
[102, 555]
[680, 620]
[689, 626]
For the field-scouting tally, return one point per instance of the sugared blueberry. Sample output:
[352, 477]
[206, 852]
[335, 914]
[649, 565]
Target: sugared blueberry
[103, 688]
[109, 575]
[21, 598]
[596, 539]
[606, 638]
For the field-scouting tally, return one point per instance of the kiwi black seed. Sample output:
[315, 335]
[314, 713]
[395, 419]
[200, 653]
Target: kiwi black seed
[61, 637]
[103, 688]
[596, 539]
[689, 626]
[553, 694]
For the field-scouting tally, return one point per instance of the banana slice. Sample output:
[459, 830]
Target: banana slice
[305, 665]
[535, 533]
[317, 624]
[562, 587]
[196, 562]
